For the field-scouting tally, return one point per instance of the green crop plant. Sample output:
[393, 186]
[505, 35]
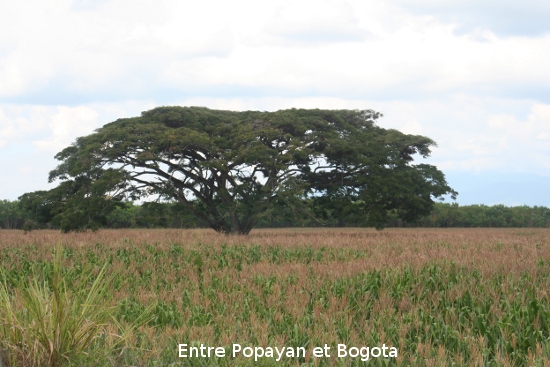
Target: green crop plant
[53, 316]
[44, 323]
[441, 297]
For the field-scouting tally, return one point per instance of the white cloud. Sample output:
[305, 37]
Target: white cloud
[540, 116]
[539, 135]
[79, 52]
[18, 123]
[480, 89]
[506, 142]
[529, 130]
[412, 127]
[25, 170]
[527, 17]
[499, 122]
[302, 22]
[66, 125]
[472, 164]
[98, 49]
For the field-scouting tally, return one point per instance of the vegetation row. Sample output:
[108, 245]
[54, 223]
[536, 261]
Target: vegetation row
[26, 214]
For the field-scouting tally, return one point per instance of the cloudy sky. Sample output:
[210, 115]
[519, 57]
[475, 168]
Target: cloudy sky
[471, 74]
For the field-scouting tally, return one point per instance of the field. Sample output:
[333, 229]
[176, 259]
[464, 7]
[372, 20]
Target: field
[434, 297]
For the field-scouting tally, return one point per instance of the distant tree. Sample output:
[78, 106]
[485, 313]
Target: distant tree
[75, 205]
[230, 168]
[123, 216]
[10, 215]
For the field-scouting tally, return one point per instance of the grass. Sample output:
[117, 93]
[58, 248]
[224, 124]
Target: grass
[440, 297]
[46, 323]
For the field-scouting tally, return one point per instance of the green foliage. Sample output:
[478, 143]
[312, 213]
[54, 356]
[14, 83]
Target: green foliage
[34, 211]
[44, 323]
[499, 216]
[230, 169]
[11, 215]
[78, 204]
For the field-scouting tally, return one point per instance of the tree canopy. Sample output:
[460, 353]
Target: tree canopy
[231, 168]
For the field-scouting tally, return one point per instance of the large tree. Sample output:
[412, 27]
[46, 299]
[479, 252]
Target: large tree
[230, 168]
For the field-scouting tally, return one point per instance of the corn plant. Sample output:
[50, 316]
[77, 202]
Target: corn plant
[476, 297]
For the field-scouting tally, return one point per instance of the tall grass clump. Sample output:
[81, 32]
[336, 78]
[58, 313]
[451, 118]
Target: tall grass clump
[44, 322]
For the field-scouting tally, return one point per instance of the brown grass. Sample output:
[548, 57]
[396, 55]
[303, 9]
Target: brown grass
[490, 250]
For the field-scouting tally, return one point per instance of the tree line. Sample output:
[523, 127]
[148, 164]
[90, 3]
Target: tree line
[18, 215]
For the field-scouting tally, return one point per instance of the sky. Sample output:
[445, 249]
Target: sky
[472, 75]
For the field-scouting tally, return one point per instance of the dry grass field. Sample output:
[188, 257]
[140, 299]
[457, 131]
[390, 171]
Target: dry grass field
[440, 297]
